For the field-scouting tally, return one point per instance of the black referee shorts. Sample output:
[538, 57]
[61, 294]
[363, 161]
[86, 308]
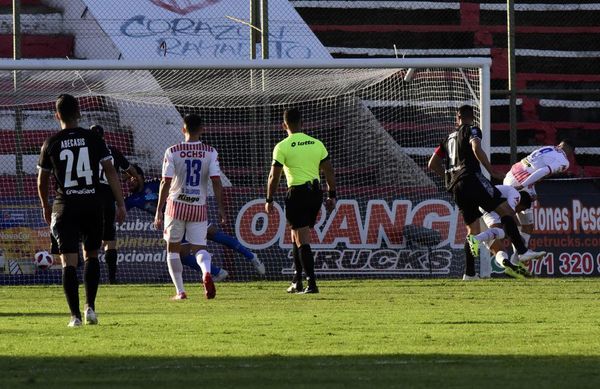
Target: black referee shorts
[302, 205]
[72, 222]
[474, 191]
[109, 231]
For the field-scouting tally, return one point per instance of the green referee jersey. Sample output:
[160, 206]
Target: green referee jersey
[300, 156]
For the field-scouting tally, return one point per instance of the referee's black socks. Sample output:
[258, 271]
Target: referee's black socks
[512, 231]
[110, 256]
[71, 288]
[297, 264]
[91, 277]
[308, 262]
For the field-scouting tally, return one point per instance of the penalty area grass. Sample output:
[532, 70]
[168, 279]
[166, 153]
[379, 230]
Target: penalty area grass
[370, 333]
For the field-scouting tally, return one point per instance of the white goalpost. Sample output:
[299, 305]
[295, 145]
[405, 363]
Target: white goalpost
[379, 118]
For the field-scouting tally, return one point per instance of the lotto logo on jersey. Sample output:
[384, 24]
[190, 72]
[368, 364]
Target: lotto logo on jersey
[304, 143]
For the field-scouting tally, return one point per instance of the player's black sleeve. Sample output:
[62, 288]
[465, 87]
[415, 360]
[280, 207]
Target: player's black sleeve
[44, 161]
[100, 147]
[121, 163]
[475, 133]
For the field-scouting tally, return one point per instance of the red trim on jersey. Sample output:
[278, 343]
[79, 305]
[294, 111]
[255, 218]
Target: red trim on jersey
[186, 212]
[190, 147]
[439, 152]
[519, 172]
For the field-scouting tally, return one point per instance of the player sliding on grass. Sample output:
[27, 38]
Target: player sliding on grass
[463, 155]
[541, 163]
[494, 235]
[147, 199]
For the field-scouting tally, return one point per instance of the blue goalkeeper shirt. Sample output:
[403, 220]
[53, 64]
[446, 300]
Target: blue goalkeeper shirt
[147, 199]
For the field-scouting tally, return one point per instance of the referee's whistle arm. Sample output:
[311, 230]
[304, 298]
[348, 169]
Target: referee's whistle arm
[268, 207]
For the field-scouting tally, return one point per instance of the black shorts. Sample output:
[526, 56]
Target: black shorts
[109, 231]
[474, 191]
[302, 205]
[70, 223]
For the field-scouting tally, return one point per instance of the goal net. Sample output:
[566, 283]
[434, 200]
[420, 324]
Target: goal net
[380, 121]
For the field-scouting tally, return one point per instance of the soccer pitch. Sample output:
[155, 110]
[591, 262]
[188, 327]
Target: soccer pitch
[354, 334]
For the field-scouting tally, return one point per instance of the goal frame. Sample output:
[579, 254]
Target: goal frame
[482, 64]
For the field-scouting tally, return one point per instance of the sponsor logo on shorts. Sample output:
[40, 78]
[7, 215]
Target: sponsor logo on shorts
[187, 198]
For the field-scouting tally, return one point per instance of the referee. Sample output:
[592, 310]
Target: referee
[109, 231]
[301, 157]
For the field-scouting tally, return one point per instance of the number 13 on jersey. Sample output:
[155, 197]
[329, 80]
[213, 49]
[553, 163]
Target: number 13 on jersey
[193, 169]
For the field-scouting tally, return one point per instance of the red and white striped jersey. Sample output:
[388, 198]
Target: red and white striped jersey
[189, 165]
[550, 157]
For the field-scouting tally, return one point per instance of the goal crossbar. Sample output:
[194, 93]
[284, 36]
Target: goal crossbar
[358, 63]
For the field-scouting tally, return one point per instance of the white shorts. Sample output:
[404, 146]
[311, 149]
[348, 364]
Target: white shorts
[525, 217]
[194, 232]
[491, 218]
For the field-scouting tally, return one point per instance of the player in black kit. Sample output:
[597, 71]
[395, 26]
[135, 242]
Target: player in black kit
[109, 231]
[463, 154]
[73, 156]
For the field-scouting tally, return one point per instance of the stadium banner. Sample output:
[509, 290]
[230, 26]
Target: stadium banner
[362, 238]
[567, 226]
[201, 29]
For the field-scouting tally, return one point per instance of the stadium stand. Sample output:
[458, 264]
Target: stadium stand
[557, 47]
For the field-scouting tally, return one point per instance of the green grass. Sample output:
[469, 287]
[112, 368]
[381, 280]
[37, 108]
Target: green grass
[355, 334]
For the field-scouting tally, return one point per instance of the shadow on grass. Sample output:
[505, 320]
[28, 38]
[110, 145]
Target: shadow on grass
[31, 314]
[275, 371]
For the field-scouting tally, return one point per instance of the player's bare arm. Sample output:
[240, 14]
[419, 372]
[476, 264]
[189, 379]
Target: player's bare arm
[272, 185]
[115, 186]
[43, 183]
[133, 173]
[436, 164]
[327, 170]
[163, 192]
[483, 159]
[218, 189]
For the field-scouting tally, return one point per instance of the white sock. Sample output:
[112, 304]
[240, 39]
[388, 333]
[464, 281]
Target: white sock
[203, 258]
[526, 238]
[500, 257]
[514, 258]
[490, 234]
[176, 271]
